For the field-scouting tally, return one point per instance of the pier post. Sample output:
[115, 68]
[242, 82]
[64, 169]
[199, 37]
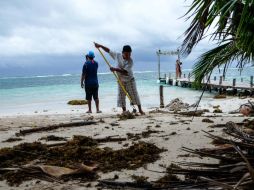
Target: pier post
[161, 97]
[234, 81]
[220, 82]
[251, 81]
[214, 78]
[184, 75]
[189, 77]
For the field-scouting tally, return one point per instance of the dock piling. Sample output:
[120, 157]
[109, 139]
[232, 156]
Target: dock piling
[220, 82]
[161, 97]
[234, 82]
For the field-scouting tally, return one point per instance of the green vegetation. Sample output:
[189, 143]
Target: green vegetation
[233, 33]
[77, 102]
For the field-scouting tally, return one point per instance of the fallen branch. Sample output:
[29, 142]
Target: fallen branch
[53, 127]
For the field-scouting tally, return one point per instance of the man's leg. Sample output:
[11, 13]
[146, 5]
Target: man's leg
[96, 98]
[89, 106]
[121, 99]
[132, 90]
[88, 98]
[140, 110]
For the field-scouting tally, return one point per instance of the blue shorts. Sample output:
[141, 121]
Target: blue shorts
[91, 91]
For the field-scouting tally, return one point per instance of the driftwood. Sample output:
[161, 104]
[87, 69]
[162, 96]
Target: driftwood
[99, 140]
[196, 113]
[234, 169]
[53, 127]
[118, 184]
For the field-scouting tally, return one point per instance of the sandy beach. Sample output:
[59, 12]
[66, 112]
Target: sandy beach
[170, 131]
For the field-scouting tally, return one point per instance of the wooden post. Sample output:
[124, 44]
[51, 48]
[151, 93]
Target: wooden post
[161, 97]
[214, 78]
[220, 82]
[251, 81]
[184, 75]
[189, 77]
[159, 64]
[234, 81]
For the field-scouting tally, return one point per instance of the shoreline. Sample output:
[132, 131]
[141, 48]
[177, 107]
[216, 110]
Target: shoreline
[228, 104]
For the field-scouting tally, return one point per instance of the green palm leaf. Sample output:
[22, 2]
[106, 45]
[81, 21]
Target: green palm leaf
[234, 33]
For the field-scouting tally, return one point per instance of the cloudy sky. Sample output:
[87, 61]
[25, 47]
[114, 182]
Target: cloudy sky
[52, 36]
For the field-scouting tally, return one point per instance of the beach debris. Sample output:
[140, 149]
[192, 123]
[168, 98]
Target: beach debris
[77, 102]
[206, 110]
[53, 138]
[158, 110]
[233, 170]
[177, 105]
[144, 134]
[114, 124]
[207, 120]
[196, 113]
[139, 179]
[126, 115]
[80, 149]
[53, 127]
[12, 139]
[220, 96]
[217, 110]
[140, 182]
[247, 109]
[173, 133]
[110, 184]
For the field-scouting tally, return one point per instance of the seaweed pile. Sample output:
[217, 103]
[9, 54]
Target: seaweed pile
[233, 169]
[77, 102]
[80, 149]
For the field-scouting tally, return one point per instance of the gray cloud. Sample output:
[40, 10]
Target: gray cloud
[55, 28]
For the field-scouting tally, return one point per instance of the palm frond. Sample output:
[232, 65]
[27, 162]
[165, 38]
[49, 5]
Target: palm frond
[221, 55]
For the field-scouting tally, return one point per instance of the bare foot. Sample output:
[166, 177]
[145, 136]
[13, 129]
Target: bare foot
[142, 113]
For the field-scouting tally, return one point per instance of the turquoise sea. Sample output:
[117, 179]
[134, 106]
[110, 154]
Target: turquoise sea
[50, 93]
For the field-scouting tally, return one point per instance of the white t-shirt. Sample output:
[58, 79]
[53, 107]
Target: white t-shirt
[123, 64]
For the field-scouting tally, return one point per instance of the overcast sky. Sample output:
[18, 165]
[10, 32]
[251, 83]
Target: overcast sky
[55, 34]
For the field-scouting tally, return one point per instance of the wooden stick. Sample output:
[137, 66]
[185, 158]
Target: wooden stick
[53, 127]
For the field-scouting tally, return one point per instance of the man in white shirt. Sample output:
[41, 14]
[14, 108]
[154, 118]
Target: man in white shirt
[124, 70]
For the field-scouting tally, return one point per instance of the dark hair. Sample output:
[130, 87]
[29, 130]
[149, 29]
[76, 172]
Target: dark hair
[127, 48]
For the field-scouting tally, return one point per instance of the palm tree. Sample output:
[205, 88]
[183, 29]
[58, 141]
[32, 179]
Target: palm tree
[234, 33]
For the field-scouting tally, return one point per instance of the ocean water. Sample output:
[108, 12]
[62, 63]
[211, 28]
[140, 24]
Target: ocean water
[50, 94]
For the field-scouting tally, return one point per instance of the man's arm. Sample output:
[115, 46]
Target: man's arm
[106, 49]
[122, 71]
[82, 80]
[113, 55]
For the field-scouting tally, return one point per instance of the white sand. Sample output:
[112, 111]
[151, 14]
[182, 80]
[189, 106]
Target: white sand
[168, 122]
